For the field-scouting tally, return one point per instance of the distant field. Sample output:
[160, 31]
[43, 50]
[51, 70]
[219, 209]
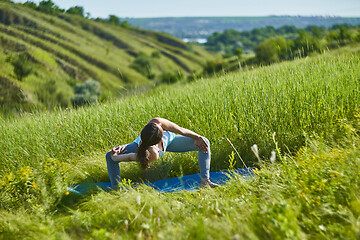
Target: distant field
[308, 111]
[203, 27]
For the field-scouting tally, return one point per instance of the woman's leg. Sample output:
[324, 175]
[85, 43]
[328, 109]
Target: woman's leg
[186, 144]
[113, 166]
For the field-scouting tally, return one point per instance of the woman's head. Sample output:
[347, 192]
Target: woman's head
[150, 135]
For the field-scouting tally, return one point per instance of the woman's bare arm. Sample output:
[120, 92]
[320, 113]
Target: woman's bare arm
[124, 157]
[131, 157]
[172, 127]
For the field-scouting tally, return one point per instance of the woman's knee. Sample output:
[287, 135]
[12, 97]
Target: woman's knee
[108, 156]
[207, 141]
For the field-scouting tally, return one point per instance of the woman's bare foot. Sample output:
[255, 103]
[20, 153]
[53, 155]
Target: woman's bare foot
[205, 182]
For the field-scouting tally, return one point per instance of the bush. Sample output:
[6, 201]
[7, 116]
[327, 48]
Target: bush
[50, 95]
[86, 93]
[305, 44]
[77, 10]
[143, 64]
[156, 54]
[22, 66]
[49, 7]
[30, 4]
[171, 77]
[212, 67]
[272, 50]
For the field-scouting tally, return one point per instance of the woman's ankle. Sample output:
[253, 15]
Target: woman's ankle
[207, 182]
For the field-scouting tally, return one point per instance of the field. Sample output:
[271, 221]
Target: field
[307, 111]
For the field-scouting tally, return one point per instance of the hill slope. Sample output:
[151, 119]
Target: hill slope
[63, 50]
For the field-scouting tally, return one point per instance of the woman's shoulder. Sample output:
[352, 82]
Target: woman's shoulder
[153, 153]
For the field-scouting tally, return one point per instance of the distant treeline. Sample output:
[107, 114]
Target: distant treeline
[273, 44]
[203, 27]
[50, 7]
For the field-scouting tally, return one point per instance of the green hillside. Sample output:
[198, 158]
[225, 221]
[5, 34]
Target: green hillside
[307, 111]
[62, 50]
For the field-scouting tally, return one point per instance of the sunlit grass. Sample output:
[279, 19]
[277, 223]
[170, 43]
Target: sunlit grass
[291, 99]
[307, 111]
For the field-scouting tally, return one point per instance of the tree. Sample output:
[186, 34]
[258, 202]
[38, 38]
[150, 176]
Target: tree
[344, 35]
[304, 43]
[143, 64]
[272, 50]
[316, 31]
[30, 4]
[49, 7]
[266, 53]
[357, 38]
[238, 52]
[114, 20]
[77, 10]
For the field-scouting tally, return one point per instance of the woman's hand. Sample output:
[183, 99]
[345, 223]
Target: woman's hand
[119, 150]
[201, 144]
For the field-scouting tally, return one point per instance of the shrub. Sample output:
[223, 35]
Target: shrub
[171, 77]
[49, 7]
[156, 54]
[143, 64]
[86, 93]
[51, 95]
[77, 10]
[30, 4]
[305, 44]
[212, 67]
[22, 66]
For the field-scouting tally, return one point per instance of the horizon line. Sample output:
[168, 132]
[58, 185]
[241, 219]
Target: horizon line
[322, 16]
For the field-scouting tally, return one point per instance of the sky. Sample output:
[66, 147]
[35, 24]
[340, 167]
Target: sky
[199, 8]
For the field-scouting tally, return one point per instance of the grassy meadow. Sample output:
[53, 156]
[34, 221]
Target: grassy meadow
[307, 110]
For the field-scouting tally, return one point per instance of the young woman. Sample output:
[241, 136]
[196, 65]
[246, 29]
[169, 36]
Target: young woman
[157, 137]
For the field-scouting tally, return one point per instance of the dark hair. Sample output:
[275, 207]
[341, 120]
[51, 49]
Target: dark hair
[150, 135]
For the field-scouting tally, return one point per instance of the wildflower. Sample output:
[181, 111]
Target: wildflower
[138, 199]
[126, 222]
[273, 156]
[67, 193]
[33, 185]
[322, 227]
[25, 173]
[254, 148]
[145, 226]
[151, 211]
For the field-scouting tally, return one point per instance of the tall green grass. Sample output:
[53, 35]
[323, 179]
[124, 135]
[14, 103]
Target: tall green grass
[311, 193]
[292, 99]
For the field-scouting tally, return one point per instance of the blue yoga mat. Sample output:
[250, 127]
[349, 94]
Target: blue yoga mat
[170, 185]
